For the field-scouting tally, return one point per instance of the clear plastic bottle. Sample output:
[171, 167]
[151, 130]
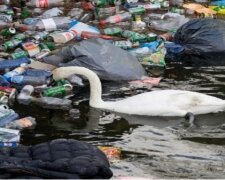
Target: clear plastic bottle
[62, 37]
[32, 80]
[24, 97]
[45, 3]
[52, 24]
[116, 18]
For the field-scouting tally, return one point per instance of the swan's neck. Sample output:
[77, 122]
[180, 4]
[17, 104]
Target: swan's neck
[95, 83]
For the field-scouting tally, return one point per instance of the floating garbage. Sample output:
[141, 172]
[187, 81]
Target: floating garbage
[119, 40]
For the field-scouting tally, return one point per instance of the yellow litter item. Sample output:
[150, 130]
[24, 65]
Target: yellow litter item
[218, 9]
[198, 8]
[112, 153]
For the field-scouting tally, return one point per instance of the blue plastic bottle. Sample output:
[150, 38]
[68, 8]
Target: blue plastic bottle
[37, 72]
[8, 118]
[12, 64]
[3, 81]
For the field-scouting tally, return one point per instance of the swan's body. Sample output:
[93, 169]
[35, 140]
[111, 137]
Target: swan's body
[154, 103]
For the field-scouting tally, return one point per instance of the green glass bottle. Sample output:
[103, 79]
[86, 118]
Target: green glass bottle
[19, 54]
[137, 10]
[57, 91]
[114, 31]
[9, 31]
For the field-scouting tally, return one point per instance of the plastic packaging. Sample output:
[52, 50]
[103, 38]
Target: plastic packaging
[24, 97]
[77, 28]
[45, 3]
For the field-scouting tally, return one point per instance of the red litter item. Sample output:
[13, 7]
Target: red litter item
[88, 35]
[87, 6]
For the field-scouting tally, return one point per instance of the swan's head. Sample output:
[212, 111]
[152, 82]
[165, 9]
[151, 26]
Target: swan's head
[59, 73]
[65, 72]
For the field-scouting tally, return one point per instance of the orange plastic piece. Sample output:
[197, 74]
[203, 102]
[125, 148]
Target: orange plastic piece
[111, 152]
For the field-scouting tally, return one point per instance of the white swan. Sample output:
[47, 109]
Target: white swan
[154, 103]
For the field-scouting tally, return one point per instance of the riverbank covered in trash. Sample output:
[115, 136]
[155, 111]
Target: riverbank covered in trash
[133, 47]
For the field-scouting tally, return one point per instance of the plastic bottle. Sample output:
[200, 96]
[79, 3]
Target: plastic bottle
[20, 36]
[3, 81]
[9, 45]
[31, 48]
[116, 18]
[114, 31]
[12, 64]
[89, 35]
[62, 37]
[52, 24]
[77, 28]
[44, 51]
[76, 80]
[15, 72]
[32, 80]
[137, 10]
[11, 116]
[101, 13]
[52, 103]
[40, 36]
[24, 97]
[4, 100]
[9, 31]
[19, 54]
[134, 37]
[123, 44]
[37, 72]
[45, 3]
[58, 91]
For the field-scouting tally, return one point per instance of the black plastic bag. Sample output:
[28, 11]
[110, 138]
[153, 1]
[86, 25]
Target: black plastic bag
[202, 36]
[107, 60]
[203, 41]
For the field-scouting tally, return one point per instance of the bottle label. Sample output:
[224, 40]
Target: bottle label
[42, 3]
[68, 35]
[49, 24]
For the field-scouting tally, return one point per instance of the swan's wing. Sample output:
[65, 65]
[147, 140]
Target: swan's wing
[168, 103]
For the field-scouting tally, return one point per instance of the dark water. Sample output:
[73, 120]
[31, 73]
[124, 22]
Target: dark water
[151, 146]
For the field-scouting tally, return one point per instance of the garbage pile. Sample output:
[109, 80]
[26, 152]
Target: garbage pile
[117, 39]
